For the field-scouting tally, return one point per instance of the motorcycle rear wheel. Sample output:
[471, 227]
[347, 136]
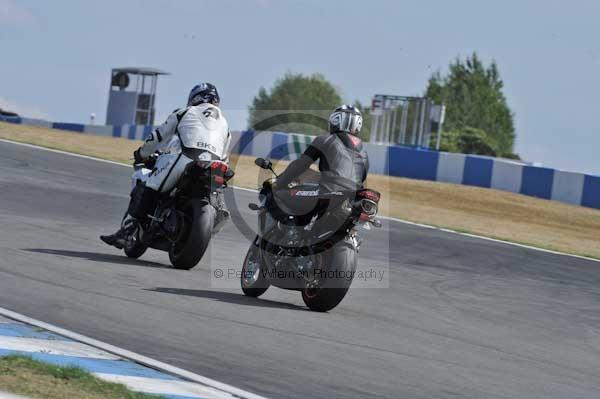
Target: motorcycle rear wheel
[186, 255]
[341, 260]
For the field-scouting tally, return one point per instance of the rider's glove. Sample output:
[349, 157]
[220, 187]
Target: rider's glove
[137, 157]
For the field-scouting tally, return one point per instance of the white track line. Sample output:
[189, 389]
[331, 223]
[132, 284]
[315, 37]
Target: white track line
[427, 226]
[155, 364]
[155, 386]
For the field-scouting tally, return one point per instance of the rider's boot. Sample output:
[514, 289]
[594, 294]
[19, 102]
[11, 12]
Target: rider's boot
[117, 240]
[143, 201]
[120, 237]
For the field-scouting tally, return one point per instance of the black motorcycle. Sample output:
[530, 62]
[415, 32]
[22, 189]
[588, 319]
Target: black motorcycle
[307, 241]
[183, 221]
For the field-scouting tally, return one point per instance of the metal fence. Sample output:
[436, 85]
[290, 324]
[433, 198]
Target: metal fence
[405, 120]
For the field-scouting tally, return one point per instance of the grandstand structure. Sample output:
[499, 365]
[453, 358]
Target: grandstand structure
[132, 96]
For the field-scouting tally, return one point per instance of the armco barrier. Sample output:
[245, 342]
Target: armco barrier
[478, 171]
[506, 175]
[450, 168]
[133, 132]
[568, 187]
[537, 182]
[591, 192]
[11, 119]
[411, 163]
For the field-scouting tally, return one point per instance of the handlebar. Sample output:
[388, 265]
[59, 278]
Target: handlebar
[149, 162]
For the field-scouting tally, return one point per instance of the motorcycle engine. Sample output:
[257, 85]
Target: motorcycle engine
[172, 222]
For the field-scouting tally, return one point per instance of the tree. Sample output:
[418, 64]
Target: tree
[474, 99]
[297, 103]
[469, 141]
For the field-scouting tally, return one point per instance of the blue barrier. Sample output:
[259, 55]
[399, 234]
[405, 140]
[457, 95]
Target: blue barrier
[279, 146]
[478, 172]
[11, 119]
[245, 144]
[568, 187]
[73, 127]
[591, 192]
[537, 182]
[131, 133]
[414, 164]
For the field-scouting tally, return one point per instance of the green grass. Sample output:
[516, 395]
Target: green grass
[23, 375]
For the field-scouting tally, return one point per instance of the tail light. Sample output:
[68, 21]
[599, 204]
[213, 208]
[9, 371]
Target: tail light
[218, 172]
[218, 166]
[367, 201]
[369, 194]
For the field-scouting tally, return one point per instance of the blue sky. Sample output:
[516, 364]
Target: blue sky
[56, 56]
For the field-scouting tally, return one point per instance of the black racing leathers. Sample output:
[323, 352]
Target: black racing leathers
[343, 163]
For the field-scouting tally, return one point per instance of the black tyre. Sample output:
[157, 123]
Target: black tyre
[134, 248]
[253, 280]
[340, 263]
[189, 249]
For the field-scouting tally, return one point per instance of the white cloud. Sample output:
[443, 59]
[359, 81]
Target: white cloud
[14, 14]
[23, 109]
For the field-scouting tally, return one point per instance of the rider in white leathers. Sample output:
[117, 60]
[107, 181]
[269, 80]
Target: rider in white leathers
[196, 132]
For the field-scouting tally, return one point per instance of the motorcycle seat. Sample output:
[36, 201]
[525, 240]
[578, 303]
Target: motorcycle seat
[305, 201]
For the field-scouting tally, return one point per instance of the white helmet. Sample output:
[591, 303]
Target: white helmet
[345, 118]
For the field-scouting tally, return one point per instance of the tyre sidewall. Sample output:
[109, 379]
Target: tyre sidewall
[136, 250]
[341, 261]
[203, 219]
[261, 284]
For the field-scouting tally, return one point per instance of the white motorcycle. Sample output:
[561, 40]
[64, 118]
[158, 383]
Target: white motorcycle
[183, 221]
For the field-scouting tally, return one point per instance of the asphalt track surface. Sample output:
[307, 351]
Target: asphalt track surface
[462, 317]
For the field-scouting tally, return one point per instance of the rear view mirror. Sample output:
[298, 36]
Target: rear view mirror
[263, 163]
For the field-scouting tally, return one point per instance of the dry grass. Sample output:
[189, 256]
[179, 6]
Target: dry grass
[24, 376]
[492, 213]
[113, 148]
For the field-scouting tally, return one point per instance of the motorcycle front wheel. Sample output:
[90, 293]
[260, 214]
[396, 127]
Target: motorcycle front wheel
[134, 248]
[253, 280]
[189, 249]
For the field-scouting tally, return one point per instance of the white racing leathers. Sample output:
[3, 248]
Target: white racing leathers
[190, 134]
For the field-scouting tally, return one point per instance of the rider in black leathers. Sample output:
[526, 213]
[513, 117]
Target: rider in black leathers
[343, 161]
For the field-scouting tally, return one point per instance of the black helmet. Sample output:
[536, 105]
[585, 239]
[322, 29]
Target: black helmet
[345, 118]
[204, 93]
